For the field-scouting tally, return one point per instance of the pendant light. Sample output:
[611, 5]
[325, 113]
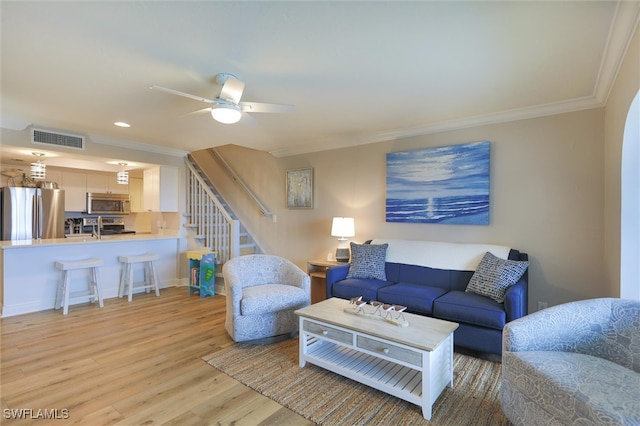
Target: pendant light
[122, 176]
[38, 169]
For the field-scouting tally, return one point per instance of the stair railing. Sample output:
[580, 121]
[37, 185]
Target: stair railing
[240, 182]
[216, 228]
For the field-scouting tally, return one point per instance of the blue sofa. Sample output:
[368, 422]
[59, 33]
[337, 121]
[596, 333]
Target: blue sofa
[430, 278]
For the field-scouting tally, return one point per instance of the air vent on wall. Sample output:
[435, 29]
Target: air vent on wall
[67, 140]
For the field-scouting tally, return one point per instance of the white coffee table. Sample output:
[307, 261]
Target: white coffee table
[414, 363]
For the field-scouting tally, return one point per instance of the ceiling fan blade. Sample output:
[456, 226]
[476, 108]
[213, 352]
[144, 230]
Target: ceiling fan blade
[200, 111]
[263, 107]
[183, 94]
[248, 121]
[232, 90]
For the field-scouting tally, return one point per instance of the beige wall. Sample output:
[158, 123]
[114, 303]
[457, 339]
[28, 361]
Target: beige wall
[625, 88]
[555, 193]
[546, 199]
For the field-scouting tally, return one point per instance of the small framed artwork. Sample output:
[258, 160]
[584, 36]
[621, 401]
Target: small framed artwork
[300, 188]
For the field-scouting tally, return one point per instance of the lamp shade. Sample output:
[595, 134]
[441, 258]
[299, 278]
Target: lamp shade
[226, 113]
[343, 227]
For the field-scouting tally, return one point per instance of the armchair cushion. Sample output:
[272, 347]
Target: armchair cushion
[572, 387]
[267, 298]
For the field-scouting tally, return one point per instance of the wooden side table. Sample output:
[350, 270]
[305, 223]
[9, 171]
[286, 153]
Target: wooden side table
[317, 270]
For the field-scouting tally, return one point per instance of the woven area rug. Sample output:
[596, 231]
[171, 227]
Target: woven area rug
[327, 398]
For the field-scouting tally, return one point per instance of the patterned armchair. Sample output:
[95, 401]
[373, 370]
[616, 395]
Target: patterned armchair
[263, 291]
[573, 364]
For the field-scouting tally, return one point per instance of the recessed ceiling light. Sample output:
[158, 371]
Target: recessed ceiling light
[122, 124]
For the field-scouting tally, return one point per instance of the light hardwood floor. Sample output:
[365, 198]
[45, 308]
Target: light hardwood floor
[128, 364]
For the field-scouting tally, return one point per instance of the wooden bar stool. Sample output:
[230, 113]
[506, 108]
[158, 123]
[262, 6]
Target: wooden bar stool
[149, 271]
[64, 296]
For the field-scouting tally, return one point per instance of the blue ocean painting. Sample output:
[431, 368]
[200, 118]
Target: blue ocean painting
[447, 184]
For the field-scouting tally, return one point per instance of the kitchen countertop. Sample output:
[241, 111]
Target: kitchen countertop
[87, 240]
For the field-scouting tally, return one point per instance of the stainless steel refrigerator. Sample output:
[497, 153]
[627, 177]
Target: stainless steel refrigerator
[31, 213]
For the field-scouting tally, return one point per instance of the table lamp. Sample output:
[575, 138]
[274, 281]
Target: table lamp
[342, 228]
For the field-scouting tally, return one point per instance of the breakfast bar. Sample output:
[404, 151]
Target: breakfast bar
[29, 278]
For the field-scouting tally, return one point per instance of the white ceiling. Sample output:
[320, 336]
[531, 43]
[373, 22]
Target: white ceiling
[357, 72]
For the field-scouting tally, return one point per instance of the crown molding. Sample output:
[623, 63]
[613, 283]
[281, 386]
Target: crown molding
[625, 22]
[577, 104]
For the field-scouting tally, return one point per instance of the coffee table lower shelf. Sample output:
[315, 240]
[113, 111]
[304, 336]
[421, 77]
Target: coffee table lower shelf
[416, 376]
[400, 381]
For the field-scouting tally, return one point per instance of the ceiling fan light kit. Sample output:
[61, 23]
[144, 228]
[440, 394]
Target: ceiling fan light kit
[226, 113]
[226, 108]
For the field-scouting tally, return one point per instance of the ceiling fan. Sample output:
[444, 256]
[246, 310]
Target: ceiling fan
[226, 108]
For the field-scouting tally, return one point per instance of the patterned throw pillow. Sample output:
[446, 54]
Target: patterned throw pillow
[368, 261]
[494, 276]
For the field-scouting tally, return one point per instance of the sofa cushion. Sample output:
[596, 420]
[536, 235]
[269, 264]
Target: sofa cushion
[470, 308]
[368, 261]
[574, 388]
[355, 287]
[269, 298]
[418, 298]
[494, 276]
[432, 277]
[393, 271]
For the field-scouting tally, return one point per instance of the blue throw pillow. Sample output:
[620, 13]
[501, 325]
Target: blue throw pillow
[368, 261]
[494, 276]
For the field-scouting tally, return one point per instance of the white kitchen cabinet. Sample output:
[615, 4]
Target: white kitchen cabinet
[161, 189]
[135, 194]
[54, 176]
[105, 183]
[75, 191]
[96, 183]
[114, 187]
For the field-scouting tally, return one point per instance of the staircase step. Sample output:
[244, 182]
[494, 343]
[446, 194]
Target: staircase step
[247, 249]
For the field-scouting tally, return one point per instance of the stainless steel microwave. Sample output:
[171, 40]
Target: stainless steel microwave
[100, 203]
